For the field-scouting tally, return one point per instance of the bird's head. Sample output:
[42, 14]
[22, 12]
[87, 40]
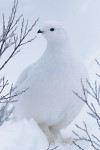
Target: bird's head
[53, 32]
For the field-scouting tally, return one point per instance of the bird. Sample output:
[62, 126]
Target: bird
[50, 81]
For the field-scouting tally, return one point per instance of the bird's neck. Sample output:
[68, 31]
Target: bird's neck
[58, 49]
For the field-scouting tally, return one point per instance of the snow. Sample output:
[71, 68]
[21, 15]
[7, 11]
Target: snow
[26, 134]
[22, 135]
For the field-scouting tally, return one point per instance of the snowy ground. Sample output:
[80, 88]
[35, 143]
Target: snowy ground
[26, 135]
[22, 135]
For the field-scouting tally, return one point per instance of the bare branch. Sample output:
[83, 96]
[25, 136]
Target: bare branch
[94, 143]
[10, 38]
[52, 148]
[93, 92]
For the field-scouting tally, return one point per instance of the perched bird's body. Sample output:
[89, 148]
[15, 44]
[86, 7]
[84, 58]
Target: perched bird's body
[50, 99]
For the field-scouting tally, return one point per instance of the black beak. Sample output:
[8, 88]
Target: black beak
[39, 31]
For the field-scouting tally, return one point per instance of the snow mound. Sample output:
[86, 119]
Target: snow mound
[22, 135]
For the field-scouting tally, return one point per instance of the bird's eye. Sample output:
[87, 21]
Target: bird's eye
[52, 29]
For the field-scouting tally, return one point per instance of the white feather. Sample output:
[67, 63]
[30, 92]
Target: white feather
[51, 80]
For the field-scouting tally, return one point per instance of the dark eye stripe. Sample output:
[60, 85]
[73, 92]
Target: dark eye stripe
[52, 29]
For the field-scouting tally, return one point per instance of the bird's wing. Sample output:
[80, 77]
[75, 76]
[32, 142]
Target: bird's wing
[24, 75]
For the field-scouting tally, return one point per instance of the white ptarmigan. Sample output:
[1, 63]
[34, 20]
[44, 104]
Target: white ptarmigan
[51, 80]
